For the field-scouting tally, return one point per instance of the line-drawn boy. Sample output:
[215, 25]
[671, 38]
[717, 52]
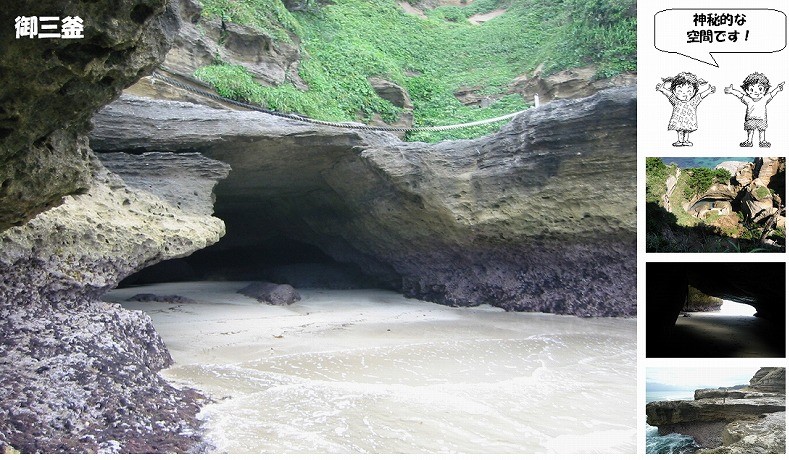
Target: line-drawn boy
[755, 85]
[683, 94]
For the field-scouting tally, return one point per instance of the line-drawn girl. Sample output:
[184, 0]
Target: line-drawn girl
[683, 94]
[755, 85]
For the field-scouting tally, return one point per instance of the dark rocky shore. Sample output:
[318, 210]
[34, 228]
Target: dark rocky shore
[749, 420]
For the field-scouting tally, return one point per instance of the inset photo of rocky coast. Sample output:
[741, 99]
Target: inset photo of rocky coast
[716, 410]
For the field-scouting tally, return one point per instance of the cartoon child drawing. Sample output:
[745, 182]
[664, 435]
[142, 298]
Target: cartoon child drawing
[756, 86]
[683, 94]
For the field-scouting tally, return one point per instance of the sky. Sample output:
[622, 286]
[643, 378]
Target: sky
[706, 377]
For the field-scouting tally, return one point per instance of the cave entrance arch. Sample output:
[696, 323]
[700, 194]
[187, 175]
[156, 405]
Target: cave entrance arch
[759, 332]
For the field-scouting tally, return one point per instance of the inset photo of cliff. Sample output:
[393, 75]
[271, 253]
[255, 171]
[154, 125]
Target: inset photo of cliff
[716, 410]
[716, 204]
[715, 310]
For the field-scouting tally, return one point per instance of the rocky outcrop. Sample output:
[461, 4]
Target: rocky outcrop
[748, 420]
[50, 88]
[399, 97]
[202, 41]
[567, 84]
[769, 380]
[519, 219]
[78, 374]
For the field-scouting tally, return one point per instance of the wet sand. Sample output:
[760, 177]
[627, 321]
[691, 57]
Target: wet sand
[368, 371]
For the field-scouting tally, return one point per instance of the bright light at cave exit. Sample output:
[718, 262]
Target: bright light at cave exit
[730, 308]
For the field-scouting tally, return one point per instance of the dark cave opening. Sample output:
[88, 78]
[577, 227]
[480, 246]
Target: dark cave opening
[277, 259]
[676, 331]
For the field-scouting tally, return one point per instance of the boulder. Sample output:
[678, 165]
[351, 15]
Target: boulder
[399, 97]
[744, 174]
[272, 294]
[758, 201]
[391, 92]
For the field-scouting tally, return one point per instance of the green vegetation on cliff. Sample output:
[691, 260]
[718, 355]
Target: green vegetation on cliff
[699, 301]
[347, 41]
[701, 179]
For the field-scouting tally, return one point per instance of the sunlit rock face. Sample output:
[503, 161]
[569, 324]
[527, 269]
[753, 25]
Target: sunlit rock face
[539, 216]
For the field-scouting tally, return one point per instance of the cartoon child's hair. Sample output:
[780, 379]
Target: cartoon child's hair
[756, 78]
[685, 78]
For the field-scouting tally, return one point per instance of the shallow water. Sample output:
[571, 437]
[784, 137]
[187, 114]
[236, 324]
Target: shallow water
[673, 443]
[372, 372]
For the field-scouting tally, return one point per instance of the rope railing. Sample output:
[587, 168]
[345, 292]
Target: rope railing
[157, 75]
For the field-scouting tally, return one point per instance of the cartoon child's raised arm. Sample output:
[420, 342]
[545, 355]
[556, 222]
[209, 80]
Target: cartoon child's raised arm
[661, 87]
[779, 87]
[732, 90]
[710, 89]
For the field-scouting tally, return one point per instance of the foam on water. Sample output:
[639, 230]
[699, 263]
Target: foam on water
[672, 443]
[539, 394]
[372, 372]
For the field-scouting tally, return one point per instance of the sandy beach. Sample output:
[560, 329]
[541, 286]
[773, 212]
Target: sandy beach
[703, 335]
[369, 371]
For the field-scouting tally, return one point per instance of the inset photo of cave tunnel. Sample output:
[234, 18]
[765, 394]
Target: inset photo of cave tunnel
[716, 204]
[715, 310]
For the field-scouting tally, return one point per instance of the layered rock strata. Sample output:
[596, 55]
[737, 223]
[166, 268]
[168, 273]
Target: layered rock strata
[748, 420]
[78, 374]
[536, 217]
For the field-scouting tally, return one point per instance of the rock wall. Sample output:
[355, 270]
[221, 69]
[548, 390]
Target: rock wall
[50, 88]
[78, 374]
[536, 217]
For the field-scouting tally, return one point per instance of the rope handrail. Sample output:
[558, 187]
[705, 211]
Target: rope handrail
[156, 75]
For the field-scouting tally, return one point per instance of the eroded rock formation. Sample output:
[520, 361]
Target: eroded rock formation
[751, 420]
[78, 374]
[519, 219]
[567, 84]
[49, 89]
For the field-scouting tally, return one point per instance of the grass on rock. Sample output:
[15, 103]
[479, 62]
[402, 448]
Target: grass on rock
[347, 41]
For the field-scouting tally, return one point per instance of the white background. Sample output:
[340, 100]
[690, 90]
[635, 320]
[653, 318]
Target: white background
[720, 131]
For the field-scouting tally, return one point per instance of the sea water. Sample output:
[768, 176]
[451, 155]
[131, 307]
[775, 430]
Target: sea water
[413, 377]
[702, 162]
[673, 443]
[536, 394]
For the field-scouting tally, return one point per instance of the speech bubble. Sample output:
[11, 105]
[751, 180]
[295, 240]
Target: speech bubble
[697, 33]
